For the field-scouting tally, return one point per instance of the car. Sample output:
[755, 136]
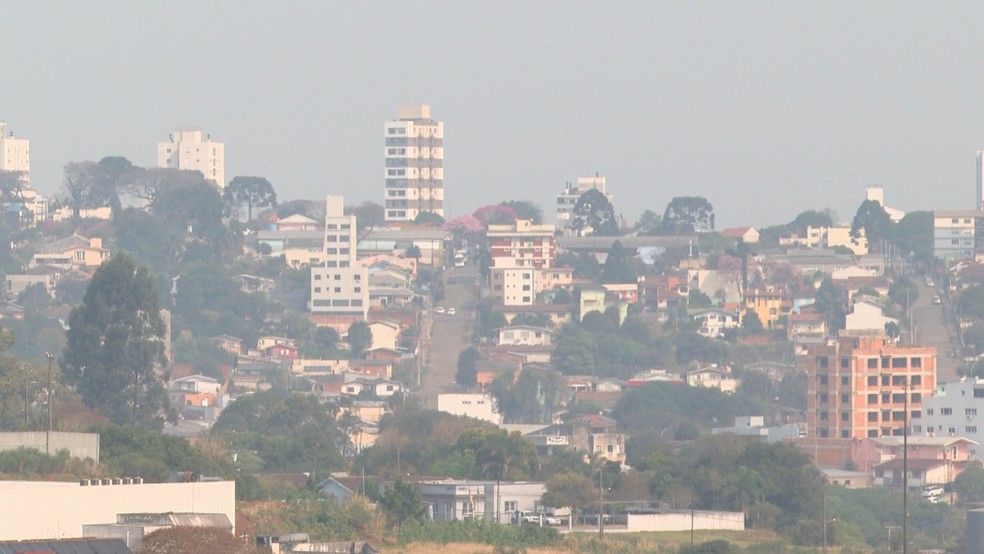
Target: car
[932, 491]
[930, 282]
[525, 516]
[550, 520]
[937, 299]
[451, 311]
[439, 310]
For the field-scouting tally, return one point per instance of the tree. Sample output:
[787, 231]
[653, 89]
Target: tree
[500, 454]
[686, 214]
[593, 214]
[830, 302]
[649, 223]
[255, 192]
[525, 210]
[970, 485]
[80, 177]
[871, 218]
[359, 338]
[428, 218]
[11, 184]
[575, 352]
[402, 503]
[752, 323]
[617, 268]
[115, 344]
[193, 540]
[570, 489]
[368, 215]
[147, 185]
[903, 292]
[466, 373]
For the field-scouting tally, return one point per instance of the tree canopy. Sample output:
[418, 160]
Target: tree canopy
[115, 344]
[593, 214]
[686, 214]
[254, 192]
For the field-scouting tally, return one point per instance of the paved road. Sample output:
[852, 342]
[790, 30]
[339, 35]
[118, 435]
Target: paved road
[934, 326]
[449, 335]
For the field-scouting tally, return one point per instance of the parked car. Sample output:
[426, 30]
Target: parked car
[451, 311]
[932, 491]
[439, 310]
[930, 282]
[525, 516]
[937, 299]
[550, 520]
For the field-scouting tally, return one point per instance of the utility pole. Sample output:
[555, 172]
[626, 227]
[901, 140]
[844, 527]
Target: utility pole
[905, 466]
[47, 436]
[601, 501]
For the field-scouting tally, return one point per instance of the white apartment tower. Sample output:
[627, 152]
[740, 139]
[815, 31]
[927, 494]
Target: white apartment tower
[980, 180]
[414, 164]
[340, 287]
[186, 150]
[15, 153]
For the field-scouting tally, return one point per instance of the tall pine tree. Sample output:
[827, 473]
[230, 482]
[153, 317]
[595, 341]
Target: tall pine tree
[115, 346]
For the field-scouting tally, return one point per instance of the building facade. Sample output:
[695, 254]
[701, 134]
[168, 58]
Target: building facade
[957, 233]
[414, 169]
[340, 287]
[524, 243]
[186, 150]
[861, 386]
[953, 412]
[15, 153]
[567, 199]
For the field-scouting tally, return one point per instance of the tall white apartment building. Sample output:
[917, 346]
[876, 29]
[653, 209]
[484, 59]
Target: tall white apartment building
[185, 149]
[15, 153]
[340, 287]
[414, 164]
[980, 179]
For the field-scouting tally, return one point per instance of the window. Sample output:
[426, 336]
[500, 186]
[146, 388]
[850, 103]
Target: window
[823, 380]
[916, 362]
[872, 416]
[317, 290]
[951, 430]
[885, 361]
[946, 411]
[317, 276]
[510, 505]
[822, 362]
[978, 393]
[898, 362]
[872, 363]
[845, 434]
[845, 416]
[970, 411]
[845, 363]
[872, 381]
[970, 429]
[338, 290]
[845, 380]
[898, 398]
[872, 399]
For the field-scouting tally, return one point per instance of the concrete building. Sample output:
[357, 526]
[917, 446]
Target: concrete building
[15, 153]
[953, 412]
[877, 193]
[567, 199]
[957, 233]
[33, 509]
[414, 170]
[185, 149]
[860, 386]
[340, 287]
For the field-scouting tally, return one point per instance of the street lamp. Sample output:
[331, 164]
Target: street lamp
[47, 436]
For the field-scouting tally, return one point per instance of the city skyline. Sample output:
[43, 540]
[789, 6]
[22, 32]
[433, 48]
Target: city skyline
[748, 105]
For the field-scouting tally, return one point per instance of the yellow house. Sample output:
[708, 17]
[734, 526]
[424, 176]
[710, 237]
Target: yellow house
[769, 304]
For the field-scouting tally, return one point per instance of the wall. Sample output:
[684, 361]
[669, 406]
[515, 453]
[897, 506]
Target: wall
[43, 509]
[681, 521]
[79, 445]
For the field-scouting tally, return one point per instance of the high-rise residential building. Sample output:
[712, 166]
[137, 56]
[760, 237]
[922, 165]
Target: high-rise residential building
[567, 199]
[15, 153]
[953, 412]
[414, 164]
[340, 287]
[185, 149]
[864, 385]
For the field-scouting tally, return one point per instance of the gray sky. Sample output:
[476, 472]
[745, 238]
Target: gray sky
[766, 109]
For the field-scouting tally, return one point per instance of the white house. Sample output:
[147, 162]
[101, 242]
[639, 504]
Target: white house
[868, 316]
[523, 335]
[476, 405]
[451, 499]
[712, 322]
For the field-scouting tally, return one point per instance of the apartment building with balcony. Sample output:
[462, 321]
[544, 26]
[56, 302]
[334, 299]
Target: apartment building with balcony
[339, 287]
[414, 165]
[186, 150]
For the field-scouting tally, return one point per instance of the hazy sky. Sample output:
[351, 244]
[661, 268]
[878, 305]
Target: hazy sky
[766, 109]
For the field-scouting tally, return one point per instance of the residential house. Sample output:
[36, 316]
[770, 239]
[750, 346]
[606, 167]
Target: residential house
[340, 488]
[475, 405]
[558, 314]
[712, 377]
[71, 252]
[868, 316]
[523, 335]
[930, 460]
[197, 397]
[453, 500]
[297, 222]
[769, 304]
[229, 343]
[952, 411]
[590, 299]
[748, 235]
[663, 292]
[713, 322]
[754, 426]
[16, 284]
[385, 334]
[387, 240]
[597, 436]
[806, 327]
